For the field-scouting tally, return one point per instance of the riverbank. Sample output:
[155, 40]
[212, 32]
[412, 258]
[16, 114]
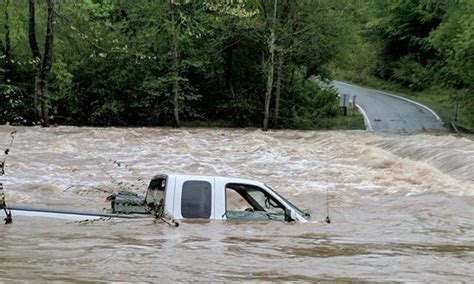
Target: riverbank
[353, 121]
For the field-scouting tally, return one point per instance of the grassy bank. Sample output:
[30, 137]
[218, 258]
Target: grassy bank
[353, 121]
[441, 100]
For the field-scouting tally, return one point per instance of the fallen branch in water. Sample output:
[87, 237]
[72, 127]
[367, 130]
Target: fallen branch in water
[3, 204]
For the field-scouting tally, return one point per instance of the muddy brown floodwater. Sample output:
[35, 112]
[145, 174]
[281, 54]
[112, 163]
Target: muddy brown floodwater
[401, 206]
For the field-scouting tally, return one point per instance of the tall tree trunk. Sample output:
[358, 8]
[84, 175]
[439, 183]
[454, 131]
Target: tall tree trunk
[175, 68]
[270, 69]
[7, 48]
[42, 64]
[229, 66]
[278, 88]
[176, 86]
[36, 55]
[47, 62]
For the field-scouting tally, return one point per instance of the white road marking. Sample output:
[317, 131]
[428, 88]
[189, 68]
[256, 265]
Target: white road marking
[366, 118]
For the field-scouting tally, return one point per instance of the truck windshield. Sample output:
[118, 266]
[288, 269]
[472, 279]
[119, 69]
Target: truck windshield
[305, 215]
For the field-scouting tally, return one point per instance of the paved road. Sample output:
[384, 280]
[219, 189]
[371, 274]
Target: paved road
[387, 113]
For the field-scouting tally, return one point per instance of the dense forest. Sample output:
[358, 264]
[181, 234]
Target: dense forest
[232, 63]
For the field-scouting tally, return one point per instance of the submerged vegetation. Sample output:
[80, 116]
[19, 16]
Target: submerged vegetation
[232, 63]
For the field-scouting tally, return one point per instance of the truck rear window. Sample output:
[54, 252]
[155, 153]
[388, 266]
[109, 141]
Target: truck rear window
[196, 199]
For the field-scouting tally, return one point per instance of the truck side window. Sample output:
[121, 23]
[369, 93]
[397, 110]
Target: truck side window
[248, 202]
[235, 202]
[196, 199]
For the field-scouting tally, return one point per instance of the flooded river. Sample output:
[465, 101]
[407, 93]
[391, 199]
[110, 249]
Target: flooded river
[402, 206]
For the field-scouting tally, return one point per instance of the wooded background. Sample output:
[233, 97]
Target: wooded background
[227, 63]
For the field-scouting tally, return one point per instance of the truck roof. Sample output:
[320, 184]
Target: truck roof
[195, 176]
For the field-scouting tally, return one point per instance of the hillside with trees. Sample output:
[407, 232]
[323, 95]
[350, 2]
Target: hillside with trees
[423, 49]
[229, 63]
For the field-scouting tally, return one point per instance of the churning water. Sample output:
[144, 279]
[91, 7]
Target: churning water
[401, 206]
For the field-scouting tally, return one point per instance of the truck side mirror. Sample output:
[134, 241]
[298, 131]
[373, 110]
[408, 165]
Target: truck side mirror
[155, 191]
[289, 215]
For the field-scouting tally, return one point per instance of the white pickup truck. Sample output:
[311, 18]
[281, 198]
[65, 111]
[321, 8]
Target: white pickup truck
[175, 197]
[209, 197]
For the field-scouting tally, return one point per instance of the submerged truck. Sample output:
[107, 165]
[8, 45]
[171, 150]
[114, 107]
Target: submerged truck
[208, 197]
[176, 197]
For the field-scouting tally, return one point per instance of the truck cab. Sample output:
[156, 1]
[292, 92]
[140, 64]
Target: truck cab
[211, 197]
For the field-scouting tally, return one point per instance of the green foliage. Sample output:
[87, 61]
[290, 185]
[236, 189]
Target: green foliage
[404, 28]
[115, 61]
[424, 42]
[11, 104]
[423, 48]
[454, 40]
[312, 105]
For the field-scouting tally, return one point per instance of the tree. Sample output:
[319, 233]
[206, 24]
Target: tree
[168, 62]
[175, 62]
[404, 28]
[307, 37]
[270, 66]
[6, 48]
[454, 42]
[43, 63]
[285, 25]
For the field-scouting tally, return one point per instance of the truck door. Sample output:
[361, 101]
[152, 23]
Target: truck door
[194, 198]
[245, 201]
